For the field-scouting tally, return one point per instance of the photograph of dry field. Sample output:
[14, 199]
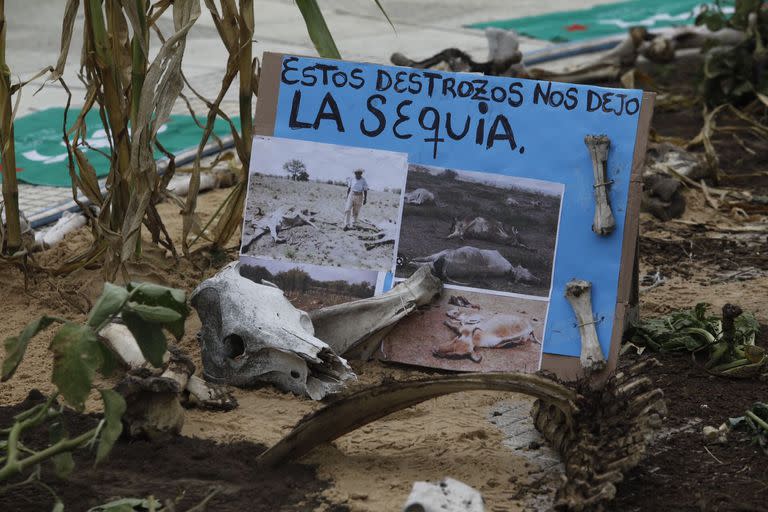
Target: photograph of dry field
[480, 230]
[311, 287]
[309, 203]
[475, 332]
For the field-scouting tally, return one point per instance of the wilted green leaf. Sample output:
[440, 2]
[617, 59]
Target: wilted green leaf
[108, 360]
[154, 314]
[172, 298]
[156, 292]
[76, 358]
[114, 407]
[318, 30]
[16, 346]
[149, 336]
[111, 301]
[63, 463]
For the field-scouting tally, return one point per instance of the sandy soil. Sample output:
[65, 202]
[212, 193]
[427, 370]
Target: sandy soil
[329, 245]
[373, 468]
[414, 339]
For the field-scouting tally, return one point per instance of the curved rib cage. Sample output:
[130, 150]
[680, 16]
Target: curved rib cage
[599, 433]
[370, 404]
[607, 437]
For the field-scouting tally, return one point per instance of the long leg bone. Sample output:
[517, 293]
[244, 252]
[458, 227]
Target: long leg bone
[598, 145]
[347, 325]
[578, 294]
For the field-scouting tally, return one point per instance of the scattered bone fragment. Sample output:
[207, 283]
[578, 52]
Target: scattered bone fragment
[221, 176]
[67, 223]
[605, 439]
[209, 396]
[598, 145]
[252, 334]
[503, 46]
[122, 343]
[448, 495]
[118, 338]
[665, 158]
[578, 293]
[153, 403]
[345, 326]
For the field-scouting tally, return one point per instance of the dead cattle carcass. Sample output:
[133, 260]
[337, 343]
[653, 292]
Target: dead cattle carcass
[480, 228]
[420, 196]
[470, 261]
[475, 331]
[251, 334]
[285, 217]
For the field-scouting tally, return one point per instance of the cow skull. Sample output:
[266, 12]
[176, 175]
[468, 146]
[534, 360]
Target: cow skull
[251, 333]
[598, 145]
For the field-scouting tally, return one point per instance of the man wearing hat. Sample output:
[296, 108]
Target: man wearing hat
[357, 196]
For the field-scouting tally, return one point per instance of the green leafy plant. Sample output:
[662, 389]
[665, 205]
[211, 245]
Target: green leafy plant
[754, 421]
[727, 346]
[736, 74]
[147, 309]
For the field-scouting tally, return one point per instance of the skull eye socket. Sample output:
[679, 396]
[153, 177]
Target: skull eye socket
[234, 346]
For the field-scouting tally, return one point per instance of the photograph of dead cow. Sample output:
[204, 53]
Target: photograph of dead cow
[469, 331]
[323, 204]
[480, 230]
[310, 287]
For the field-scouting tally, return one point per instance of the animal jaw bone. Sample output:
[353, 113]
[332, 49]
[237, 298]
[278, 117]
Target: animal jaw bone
[578, 294]
[281, 219]
[598, 145]
[251, 333]
[345, 326]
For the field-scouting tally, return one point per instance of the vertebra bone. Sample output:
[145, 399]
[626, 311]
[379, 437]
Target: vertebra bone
[578, 294]
[598, 145]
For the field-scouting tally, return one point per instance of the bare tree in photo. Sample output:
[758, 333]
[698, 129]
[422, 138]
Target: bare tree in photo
[296, 169]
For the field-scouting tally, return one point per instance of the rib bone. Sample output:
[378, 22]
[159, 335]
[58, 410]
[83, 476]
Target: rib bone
[598, 145]
[578, 294]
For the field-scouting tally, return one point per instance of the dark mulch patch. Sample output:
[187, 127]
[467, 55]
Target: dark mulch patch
[680, 474]
[184, 469]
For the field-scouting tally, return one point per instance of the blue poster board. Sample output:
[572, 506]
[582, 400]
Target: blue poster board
[510, 127]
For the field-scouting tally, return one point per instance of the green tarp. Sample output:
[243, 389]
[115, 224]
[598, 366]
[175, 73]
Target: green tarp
[605, 20]
[41, 155]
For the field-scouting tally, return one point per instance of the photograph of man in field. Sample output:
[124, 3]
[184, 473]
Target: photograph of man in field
[311, 287]
[323, 204]
[480, 230]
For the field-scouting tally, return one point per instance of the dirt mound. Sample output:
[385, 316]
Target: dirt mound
[185, 470]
